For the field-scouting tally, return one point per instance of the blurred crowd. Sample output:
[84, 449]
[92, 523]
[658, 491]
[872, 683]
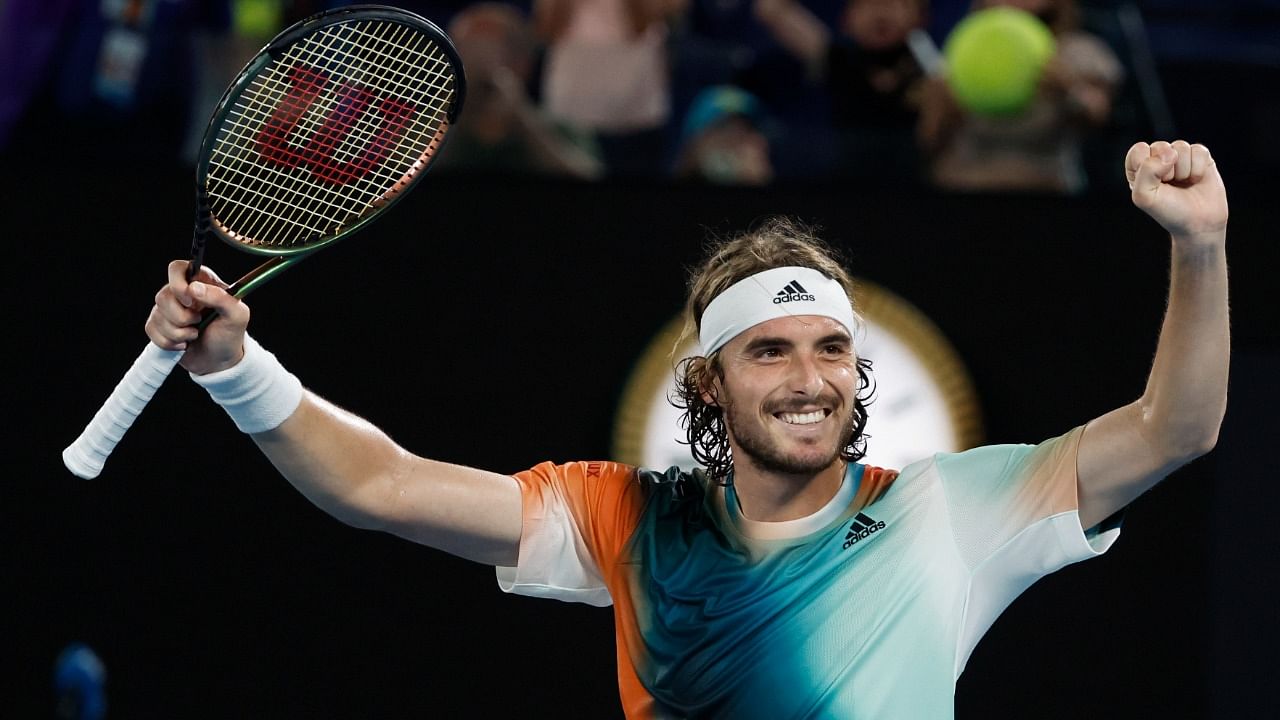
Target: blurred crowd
[735, 92]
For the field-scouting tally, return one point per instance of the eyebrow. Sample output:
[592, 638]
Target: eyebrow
[769, 341]
[764, 342]
[836, 337]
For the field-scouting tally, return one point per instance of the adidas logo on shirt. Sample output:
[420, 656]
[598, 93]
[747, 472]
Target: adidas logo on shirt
[793, 292]
[862, 528]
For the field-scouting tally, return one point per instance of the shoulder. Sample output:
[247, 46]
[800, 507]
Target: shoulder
[1006, 461]
[605, 479]
[587, 485]
[580, 470]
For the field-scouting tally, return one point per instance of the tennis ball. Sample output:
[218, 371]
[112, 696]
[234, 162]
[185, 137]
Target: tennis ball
[995, 58]
[256, 18]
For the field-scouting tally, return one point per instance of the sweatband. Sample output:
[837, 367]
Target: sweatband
[257, 392]
[777, 293]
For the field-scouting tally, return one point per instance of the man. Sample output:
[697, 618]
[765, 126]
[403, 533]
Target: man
[788, 580]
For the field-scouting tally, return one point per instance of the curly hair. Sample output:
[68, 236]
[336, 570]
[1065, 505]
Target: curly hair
[777, 242]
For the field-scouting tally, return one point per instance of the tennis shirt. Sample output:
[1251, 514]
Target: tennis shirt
[867, 609]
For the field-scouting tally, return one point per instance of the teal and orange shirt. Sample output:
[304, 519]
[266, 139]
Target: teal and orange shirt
[867, 609]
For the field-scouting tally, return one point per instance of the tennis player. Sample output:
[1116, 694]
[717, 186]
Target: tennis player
[788, 580]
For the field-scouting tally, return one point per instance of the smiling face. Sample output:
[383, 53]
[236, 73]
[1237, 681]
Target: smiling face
[788, 394]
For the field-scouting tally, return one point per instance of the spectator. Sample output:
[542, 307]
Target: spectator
[500, 128]
[1039, 148]
[607, 71]
[723, 141]
[873, 80]
[84, 69]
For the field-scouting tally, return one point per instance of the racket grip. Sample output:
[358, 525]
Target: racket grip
[86, 456]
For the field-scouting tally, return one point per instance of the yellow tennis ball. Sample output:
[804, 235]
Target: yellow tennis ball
[256, 18]
[995, 58]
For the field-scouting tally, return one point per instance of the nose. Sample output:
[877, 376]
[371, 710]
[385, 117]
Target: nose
[806, 378]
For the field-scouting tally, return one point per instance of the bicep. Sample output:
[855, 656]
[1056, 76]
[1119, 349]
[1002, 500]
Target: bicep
[471, 513]
[1119, 459]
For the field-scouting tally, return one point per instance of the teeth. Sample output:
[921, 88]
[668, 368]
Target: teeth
[802, 418]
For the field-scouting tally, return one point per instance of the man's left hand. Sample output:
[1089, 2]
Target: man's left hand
[1178, 184]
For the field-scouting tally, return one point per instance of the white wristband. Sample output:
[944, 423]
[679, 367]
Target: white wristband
[257, 392]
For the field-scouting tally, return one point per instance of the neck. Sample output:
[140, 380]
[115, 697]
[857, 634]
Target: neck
[770, 496]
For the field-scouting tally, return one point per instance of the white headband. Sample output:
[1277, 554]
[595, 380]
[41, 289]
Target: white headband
[780, 292]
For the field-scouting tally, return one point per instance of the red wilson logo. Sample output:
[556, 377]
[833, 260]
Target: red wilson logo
[317, 152]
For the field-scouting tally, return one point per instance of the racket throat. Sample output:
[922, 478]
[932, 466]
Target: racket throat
[252, 281]
[258, 276]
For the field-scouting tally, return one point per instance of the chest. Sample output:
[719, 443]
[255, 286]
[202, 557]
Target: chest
[739, 627]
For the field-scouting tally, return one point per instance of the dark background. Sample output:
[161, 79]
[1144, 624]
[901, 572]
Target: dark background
[494, 324]
[494, 321]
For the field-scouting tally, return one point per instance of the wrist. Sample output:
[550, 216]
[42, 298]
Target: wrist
[1199, 238]
[257, 392]
[209, 366]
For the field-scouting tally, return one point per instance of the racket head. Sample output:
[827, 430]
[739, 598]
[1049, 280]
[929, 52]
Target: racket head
[331, 124]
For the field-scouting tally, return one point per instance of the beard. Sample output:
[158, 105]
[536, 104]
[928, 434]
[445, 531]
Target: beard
[765, 453]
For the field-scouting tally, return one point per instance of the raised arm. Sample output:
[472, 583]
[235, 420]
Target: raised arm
[795, 28]
[340, 462]
[1126, 451]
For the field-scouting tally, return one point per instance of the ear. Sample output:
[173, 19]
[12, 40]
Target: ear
[710, 385]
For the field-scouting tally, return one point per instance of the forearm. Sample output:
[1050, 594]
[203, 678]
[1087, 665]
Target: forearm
[334, 458]
[796, 29]
[1186, 394]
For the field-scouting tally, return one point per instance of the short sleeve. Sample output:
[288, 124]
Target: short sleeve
[1014, 518]
[575, 518]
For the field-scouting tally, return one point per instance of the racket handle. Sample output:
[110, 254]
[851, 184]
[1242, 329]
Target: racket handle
[86, 456]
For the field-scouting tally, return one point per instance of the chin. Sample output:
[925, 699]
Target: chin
[808, 462]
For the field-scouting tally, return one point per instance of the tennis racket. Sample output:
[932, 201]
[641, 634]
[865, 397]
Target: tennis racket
[322, 132]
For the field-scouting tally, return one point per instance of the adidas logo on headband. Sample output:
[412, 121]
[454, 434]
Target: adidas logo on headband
[792, 292]
[750, 302]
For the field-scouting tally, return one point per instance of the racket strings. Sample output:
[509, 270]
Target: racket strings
[323, 134]
[389, 80]
[271, 88]
[332, 206]
[262, 190]
[328, 111]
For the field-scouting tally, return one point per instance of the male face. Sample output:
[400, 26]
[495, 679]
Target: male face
[788, 393]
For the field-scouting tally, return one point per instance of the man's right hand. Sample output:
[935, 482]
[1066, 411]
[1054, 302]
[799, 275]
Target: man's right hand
[179, 307]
